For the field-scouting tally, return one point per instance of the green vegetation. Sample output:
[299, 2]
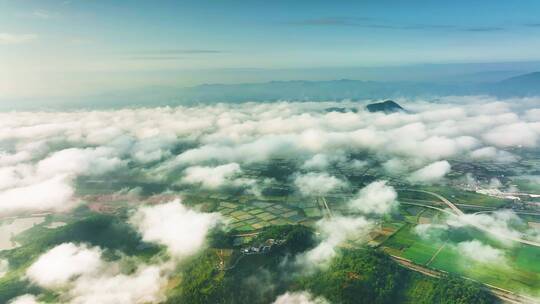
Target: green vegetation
[297, 238]
[527, 183]
[454, 290]
[200, 281]
[371, 276]
[363, 273]
[519, 272]
[256, 215]
[458, 196]
[105, 231]
[12, 286]
[357, 274]
[203, 282]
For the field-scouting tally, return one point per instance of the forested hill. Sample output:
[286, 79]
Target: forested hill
[362, 275]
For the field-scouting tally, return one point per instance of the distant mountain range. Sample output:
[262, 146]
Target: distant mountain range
[300, 90]
[523, 85]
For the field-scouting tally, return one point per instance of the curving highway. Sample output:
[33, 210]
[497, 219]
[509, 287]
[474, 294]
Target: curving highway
[457, 212]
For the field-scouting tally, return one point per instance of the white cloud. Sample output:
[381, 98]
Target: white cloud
[51, 194]
[143, 286]
[172, 224]
[480, 252]
[47, 185]
[395, 166]
[430, 231]
[322, 161]
[317, 162]
[500, 224]
[64, 263]
[334, 232]
[42, 153]
[512, 135]
[533, 115]
[317, 183]
[80, 275]
[358, 164]
[4, 267]
[25, 299]
[9, 38]
[75, 161]
[51, 146]
[10, 159]
[299, 297]
[492, 153]
[430, 173]
[377, 198]
[212, 177]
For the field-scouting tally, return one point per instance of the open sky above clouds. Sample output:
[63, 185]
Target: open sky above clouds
[68, 48]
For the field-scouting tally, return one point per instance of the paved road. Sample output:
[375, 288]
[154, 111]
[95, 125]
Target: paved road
[454, 208]
[430, 207]
[517, 212]
[326, 207]
[460, 214]
[505, 295]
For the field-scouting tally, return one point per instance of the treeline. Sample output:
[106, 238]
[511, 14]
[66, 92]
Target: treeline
[362, 275]
[108, 232]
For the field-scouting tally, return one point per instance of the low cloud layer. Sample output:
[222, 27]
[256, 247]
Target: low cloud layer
[47, 185]
[299, 297]
[479, 252]
[43, 155]
[211, 177]
[333, 233]
[375, 198]
[501, 225]
[430, 173]
[82, 276]
[4, 267]
[504, 226]
[25, 299]
[63, 263]
[214, 146]
[313, 184]
[181, 229]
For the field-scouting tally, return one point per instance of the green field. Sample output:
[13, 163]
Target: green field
[256, 215]
[406, 243]
[520, 272]
[527, 183]
[456, 196]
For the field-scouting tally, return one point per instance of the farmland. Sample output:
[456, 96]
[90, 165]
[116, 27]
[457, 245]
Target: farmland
[516, 271]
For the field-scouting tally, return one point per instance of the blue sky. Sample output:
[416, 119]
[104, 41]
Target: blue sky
[56, 48]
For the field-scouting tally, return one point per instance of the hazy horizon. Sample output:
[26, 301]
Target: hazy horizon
[69, 49]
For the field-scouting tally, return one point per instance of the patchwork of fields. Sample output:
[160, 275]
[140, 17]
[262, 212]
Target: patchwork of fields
[518, 270]
[256, 215]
